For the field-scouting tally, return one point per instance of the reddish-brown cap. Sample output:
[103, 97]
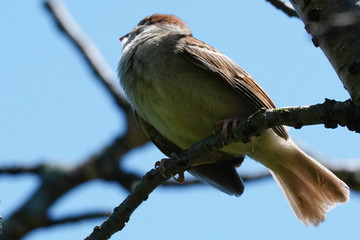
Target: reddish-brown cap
[163, 19]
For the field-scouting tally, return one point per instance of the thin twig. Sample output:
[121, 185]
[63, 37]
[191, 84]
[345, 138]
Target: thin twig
[14, 170]
[285, 7]
[76, 218]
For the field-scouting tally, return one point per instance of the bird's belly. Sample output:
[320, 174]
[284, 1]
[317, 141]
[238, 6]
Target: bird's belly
[181, 100]
[187, 111]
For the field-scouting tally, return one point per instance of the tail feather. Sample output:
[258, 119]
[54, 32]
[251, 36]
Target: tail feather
[310, 188]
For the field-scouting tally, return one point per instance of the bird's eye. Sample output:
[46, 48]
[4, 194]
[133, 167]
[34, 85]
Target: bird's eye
[142, 22]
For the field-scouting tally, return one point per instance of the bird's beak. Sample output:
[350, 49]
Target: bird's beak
[126, 35]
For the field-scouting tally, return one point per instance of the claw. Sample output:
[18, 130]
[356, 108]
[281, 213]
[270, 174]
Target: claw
[161, 165]
[173, 155]
[224, 124]
[234, 125]
[180, 179]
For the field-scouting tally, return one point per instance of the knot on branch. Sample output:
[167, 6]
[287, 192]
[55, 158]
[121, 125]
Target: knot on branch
[353, 117]
[329, 114]
[343, 114]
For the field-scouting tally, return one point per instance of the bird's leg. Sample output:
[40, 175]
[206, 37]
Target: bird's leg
[225, 131]
[224, 125]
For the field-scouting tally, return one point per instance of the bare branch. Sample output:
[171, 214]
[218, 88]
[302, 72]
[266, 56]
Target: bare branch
[95, 60]
[57, 181]
[76, 218]
[14, 170]
[284, 6]
[105, 165]
[88, 49]
[330, 113]
[349, 173]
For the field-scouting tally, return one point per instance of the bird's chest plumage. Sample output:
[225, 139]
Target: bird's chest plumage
[181, 100]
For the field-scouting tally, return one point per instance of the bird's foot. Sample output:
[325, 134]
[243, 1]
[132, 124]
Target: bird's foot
[224, 125]
[161, 165]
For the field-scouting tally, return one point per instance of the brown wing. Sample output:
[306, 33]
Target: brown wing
[209, 58]
[163, 144]
[221, 175]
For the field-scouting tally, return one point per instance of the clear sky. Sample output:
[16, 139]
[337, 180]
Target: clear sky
[53, 109]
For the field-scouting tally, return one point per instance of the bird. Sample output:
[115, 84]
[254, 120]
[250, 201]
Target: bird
[181, 88]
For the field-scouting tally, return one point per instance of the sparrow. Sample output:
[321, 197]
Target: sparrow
[180, 88]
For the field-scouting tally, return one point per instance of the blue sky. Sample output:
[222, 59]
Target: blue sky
[53, 109]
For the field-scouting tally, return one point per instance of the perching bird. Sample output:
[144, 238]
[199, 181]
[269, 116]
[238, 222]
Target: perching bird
[180, 88]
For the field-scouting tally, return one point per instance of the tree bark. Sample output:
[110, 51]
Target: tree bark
[334, 26]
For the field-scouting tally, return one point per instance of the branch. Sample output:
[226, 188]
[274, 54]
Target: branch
[350, 175]
[330, 113]
[334, 26]
[88, 49]
[285, 7]
[76, 218]
[56, 181]
[95, 60]
[22, 169]
[105, 165]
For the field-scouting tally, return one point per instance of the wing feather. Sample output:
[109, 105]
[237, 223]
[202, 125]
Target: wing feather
[209, 58]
